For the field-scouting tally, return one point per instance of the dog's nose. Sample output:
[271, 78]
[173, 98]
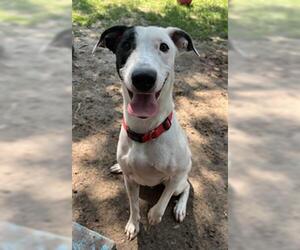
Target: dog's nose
[143, 79]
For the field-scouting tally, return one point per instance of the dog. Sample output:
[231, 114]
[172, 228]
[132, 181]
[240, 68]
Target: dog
[152, 147]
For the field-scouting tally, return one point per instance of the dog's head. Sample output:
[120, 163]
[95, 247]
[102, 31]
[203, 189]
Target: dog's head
[145, 61]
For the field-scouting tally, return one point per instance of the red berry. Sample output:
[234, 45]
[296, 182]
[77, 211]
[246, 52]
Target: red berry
[184, 2]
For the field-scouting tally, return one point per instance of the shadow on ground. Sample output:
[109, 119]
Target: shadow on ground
[35, 132]
[264, 132]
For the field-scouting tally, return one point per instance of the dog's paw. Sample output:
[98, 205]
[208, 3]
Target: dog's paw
[132, 229]
[154, 216]
[115, 169]
[179, 211]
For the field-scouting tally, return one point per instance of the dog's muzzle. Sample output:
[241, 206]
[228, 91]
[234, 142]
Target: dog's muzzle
[144, 104]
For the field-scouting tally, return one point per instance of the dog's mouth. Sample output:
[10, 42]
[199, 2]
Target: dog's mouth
[157, 94]
[144, 105]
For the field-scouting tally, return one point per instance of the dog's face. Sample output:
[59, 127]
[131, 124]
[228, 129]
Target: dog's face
[145, 60]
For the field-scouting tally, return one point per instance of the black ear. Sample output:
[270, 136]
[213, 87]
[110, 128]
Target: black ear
[110, 38]
[182, 40]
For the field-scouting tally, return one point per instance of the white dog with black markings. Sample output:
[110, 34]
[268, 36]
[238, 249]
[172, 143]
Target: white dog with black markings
[152, 147]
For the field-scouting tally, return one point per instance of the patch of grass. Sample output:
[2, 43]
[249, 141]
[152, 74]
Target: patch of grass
[203, 19]
[263, 18]
[31, 12]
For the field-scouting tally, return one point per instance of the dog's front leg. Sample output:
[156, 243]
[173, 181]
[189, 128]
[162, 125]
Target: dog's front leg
[132, 228]
[156, 212]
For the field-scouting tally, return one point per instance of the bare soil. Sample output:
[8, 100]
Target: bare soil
[35, 134]
[264, 144]
[99, 198]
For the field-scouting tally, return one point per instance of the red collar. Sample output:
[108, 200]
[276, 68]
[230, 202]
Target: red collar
[154, 133]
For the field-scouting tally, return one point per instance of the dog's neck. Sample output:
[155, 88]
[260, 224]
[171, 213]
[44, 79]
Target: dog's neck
[139, 125]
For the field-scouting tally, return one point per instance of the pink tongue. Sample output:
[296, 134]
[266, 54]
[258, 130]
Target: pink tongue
[143, 105]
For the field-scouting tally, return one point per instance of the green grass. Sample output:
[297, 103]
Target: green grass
[32, 12]
[263, 18]
[203, 19]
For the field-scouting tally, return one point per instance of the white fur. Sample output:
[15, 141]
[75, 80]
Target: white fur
[166, 159]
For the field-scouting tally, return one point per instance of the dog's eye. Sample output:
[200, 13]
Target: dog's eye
[126, 46]
[164, 47]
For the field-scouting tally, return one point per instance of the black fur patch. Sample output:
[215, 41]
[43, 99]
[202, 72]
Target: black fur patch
[125, 47]
[111, 37]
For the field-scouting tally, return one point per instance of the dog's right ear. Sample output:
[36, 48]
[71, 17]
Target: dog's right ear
[110, 38]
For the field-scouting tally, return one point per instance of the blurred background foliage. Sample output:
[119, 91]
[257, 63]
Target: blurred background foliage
[33, 12]
[202, 19]
[262, 18]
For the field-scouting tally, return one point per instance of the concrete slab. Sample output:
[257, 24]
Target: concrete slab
[86, 239]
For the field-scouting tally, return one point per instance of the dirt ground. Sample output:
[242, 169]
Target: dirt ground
[99, 199]
[35, 134]
[264, 144]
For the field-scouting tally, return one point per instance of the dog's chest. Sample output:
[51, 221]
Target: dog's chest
[147, 167]
[153, 163]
